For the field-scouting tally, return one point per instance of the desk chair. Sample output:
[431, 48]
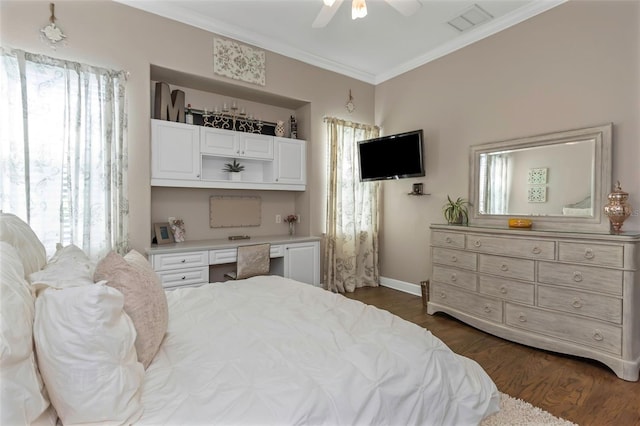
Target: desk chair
[252, 260]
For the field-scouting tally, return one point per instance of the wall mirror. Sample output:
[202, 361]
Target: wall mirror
[559, 180]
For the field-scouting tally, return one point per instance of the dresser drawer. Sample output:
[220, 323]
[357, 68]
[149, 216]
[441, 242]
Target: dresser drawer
[447, 239]
[581, 303]
[520, 247]
[585, 277]
[505, 289]
[169, 261]
[604, 337]
[456, 277]
[471, 304]
[521, 269]
[595, 254]
[461, 259]
[183, 277]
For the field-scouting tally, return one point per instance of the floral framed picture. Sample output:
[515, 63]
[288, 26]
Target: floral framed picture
[238, 61]
[163, 232]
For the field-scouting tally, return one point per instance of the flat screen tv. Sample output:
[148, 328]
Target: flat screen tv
[391, 157]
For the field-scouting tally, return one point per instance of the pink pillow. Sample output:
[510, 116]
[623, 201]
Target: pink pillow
[144, 301]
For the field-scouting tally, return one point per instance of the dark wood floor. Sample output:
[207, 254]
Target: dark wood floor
[582, 391]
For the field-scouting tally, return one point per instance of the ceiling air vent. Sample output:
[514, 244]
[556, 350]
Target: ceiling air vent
[470, 18]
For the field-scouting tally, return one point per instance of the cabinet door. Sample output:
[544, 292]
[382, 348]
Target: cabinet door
[290, 161]
[253, 145]
[219, 142]
[302, 262]
[175, 151]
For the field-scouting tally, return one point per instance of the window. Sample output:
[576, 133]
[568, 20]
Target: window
[64, 153]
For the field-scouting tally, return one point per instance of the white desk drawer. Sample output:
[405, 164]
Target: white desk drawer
[169, 261]
[595, 254]
[277, 251]
[217, 257]
[182, 277]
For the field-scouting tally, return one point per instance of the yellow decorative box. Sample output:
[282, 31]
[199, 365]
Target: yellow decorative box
[515, 222]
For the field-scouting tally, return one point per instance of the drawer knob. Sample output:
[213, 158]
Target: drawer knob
[503, 290]
[183, 277]
[577, 276]
[597, 335]
[487, 309]
[477, 243]
[522, 317]
[536, 250]
[448, 240]
[454, 258]
[504, 267]
[183, 260]
[588, 254]
[454, 278]
[443, 295]
[577, 303]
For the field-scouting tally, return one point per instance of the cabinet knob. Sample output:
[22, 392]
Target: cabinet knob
[504, 267]
[487, 308]
[577, 303]
[183, 277]
[183, 260]
[503, 290]
[443, 295]
[477, 243]
[536, 250]
[454, 259]
[522, 317]
[454, 278]
[597, 335]
[577, 276]
[447, 240]
[588, 254]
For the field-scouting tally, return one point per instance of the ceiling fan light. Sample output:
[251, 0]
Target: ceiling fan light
[358, 9]
[329, 3]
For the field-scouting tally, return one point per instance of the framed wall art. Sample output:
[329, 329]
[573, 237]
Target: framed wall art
[537, 194]
[239, 61]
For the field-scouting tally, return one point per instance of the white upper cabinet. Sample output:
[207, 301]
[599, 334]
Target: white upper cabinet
[185, 155]
[175, 151]
[235, 144]
[290, 161]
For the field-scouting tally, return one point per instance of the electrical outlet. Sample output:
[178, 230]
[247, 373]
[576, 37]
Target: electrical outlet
[278, 218]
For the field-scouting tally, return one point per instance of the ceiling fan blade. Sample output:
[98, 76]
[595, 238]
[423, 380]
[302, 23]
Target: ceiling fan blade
[405, 7]
[326, 14]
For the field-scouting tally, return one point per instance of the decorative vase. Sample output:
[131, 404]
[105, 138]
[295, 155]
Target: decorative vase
[235, 176]
[279, 130]
[618, 210]
[292, 228]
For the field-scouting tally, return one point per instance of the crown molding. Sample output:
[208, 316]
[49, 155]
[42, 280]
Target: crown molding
[245, 36]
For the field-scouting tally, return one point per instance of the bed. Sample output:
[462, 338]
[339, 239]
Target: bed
[265, 350]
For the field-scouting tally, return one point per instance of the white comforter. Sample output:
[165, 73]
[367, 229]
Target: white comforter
[272, 351]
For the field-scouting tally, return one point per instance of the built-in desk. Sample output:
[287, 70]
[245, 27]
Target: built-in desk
[193, 263]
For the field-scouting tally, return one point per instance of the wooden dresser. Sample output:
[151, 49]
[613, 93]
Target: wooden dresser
[568, 292]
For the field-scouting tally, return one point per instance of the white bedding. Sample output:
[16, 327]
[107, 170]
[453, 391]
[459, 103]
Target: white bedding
[268, 350]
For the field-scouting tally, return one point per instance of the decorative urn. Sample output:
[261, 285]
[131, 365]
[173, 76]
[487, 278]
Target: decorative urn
[617, 209]
[279, 129]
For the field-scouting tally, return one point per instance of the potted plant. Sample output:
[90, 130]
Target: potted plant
[235, 170]
[456, 212]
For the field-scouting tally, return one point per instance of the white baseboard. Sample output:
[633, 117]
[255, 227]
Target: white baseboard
[401, 286]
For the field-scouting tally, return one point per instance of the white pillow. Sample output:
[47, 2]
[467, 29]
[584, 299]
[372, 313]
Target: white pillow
[86, 354]
[68, 267]
[22, 395]
[17, 233]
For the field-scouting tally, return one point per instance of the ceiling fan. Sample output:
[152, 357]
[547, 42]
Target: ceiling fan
[359, 9]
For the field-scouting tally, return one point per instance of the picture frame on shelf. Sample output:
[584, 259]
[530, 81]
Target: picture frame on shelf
[163, 232]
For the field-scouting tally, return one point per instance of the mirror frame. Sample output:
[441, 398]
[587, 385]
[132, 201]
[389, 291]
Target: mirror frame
[602, 166]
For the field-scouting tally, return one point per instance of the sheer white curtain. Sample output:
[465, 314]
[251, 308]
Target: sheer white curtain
[494, 192]
[351, 246]
[64, 151]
